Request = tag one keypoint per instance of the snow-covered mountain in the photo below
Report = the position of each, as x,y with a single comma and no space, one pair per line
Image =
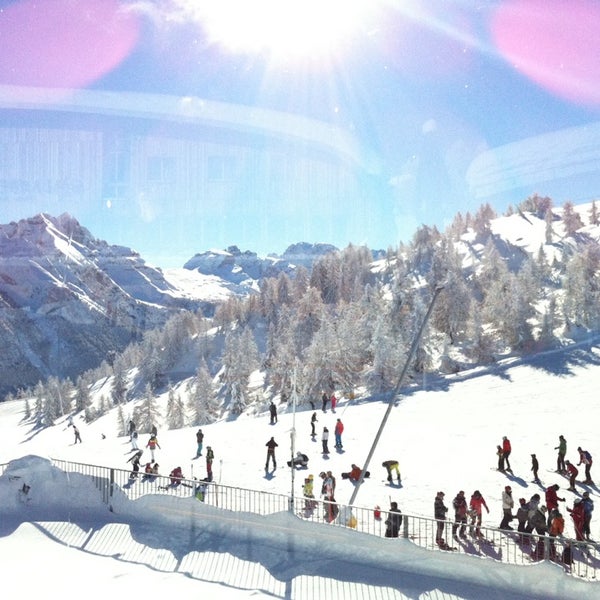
245,269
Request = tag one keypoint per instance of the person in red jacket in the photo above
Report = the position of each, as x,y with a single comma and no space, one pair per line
476,505
578,516
339,429
506,450
552,500
572,471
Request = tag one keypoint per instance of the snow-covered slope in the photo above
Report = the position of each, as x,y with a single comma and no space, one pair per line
444,436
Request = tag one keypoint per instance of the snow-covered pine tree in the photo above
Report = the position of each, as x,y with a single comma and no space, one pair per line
202,404
82,394
175,411
146,413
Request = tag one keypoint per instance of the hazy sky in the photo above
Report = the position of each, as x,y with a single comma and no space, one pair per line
425,86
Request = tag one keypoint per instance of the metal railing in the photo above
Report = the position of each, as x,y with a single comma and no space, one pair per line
578,558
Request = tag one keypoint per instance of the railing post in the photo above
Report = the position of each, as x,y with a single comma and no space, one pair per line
405,527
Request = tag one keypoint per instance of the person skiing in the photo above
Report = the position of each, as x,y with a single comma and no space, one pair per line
562,452
199,442
313,420
476,504
585,458
77,435
273,412
271,445
210,455
339,429
134,440
572,471
392,465
394,521
324,400
152,445
439,514
507,506
535,466
135,462
325,440
506,450
130,429
460,515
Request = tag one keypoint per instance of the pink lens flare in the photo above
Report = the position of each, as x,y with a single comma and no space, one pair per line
64,43
555,43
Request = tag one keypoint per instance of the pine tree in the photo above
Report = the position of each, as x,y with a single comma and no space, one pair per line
175,411
146,413
203,402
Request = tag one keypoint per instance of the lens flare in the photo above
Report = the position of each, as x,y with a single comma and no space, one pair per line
553,42
64,43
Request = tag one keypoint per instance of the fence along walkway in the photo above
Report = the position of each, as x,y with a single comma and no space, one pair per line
579,559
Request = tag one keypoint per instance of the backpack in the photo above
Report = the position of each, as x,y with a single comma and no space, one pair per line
588,456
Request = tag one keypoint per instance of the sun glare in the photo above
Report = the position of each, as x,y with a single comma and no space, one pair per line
285,29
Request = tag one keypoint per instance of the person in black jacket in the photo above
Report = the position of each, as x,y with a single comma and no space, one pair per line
439,513
394,521
271,445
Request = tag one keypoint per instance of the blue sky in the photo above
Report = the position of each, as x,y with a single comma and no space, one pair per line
425,86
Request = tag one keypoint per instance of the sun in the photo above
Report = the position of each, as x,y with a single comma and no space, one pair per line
284,29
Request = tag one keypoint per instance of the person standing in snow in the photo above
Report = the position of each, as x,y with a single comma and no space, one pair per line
578,516
477,504
152,445
523,518
562,452
460,515
325,440
134,440
506,450
552,499
199,442
273,412
77,435
588,507
333,401
439,513
339,429
535,466
313,420
500,458
585,458
210,455
271,445
324,400
394,521
507,506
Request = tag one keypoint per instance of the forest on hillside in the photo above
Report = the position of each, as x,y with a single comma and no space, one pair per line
348,324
